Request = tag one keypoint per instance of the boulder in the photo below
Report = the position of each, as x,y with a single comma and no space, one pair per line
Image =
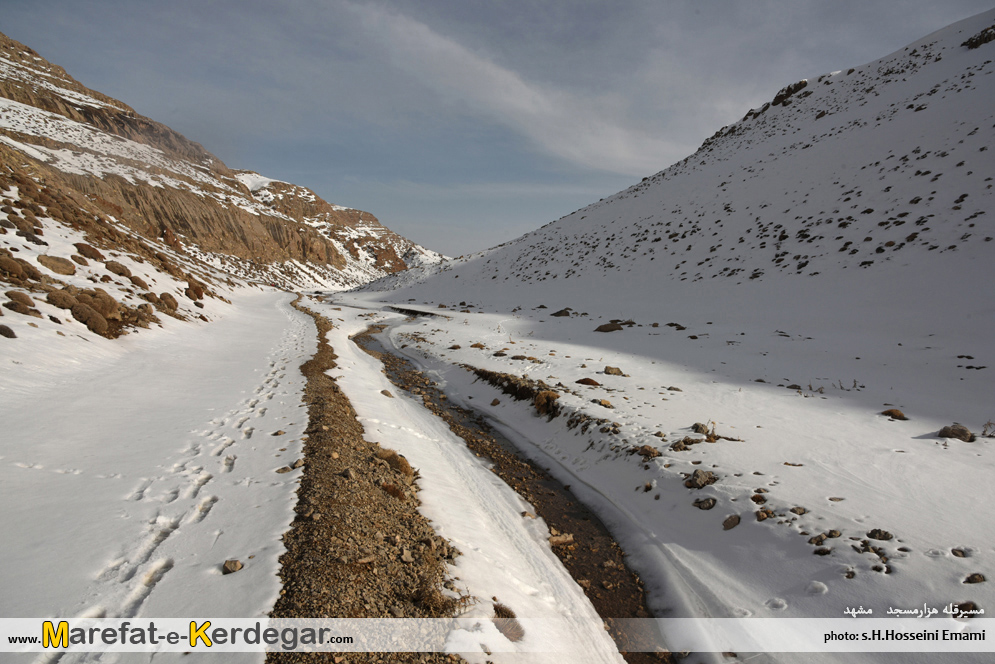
958,431
878,534
705,503
11,267
118,269
700,478
231,566
21,297
88,251
168,301
89,317
58,265
61,299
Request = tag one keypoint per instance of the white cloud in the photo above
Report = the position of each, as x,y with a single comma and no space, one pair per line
583,130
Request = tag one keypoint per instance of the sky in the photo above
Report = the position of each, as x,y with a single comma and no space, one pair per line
460,124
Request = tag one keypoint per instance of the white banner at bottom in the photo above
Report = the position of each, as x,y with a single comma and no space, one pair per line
460,635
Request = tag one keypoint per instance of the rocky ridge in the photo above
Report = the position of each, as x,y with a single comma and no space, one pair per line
108,161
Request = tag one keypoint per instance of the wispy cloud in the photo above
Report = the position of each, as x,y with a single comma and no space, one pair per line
584,130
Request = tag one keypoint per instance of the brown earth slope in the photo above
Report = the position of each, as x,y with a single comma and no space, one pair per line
162,185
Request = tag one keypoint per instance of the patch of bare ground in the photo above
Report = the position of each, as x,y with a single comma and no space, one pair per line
357,548
579,539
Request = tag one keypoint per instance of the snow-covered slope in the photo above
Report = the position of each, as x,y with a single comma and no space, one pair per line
882,163
109,159
823,260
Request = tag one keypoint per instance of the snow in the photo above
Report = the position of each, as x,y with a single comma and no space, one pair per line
96,152
811,266
837,243
129,496
133,471
504,554
254,181
38,78
898,476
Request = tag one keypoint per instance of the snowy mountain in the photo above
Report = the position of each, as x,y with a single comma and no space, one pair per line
766,369
108,161
882,163
814,285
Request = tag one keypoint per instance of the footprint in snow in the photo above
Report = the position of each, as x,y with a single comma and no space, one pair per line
226,442
139,492
144,588
202,510
817,588
195,486
776,604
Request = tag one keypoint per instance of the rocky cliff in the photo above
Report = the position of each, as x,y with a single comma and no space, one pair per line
105,161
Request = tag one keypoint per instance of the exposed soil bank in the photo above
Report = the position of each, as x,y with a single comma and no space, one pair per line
580,539
354,550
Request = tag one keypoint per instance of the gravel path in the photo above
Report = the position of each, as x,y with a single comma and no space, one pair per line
358,548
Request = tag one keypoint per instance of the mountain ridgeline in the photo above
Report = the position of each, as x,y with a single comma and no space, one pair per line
889,163
96,158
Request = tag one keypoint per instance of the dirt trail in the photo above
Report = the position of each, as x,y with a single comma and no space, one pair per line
354,550
585,546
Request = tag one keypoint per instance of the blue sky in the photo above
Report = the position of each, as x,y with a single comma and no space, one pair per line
460,124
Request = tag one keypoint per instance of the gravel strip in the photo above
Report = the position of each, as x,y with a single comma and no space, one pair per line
358,547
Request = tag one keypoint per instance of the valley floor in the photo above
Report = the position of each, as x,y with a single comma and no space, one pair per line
818,502
132,469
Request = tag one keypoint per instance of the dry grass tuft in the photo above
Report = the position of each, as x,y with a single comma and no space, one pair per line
394,490
435,602
396,461
545,403
506,622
